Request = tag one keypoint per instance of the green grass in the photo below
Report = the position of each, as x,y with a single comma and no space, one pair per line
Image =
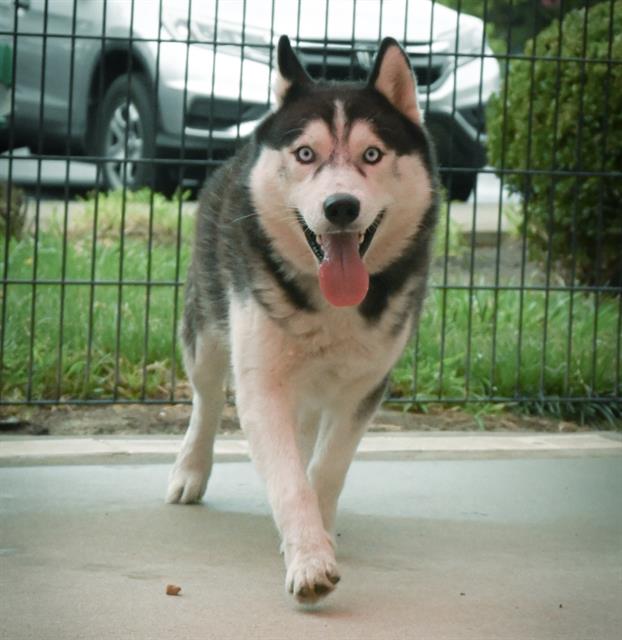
116,362
117,365
496,362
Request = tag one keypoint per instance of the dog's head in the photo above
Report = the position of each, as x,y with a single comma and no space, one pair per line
343,177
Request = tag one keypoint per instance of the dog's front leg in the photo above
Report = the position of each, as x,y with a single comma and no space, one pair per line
266,402
340,432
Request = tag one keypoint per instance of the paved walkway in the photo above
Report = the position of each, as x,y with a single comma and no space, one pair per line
16,450
440,536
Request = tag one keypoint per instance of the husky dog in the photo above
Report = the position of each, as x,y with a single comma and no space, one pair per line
308,275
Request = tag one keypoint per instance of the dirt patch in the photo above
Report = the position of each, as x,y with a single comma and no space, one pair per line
131,420
120,420
455,419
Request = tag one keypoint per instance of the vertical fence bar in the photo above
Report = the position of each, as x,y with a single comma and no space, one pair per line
124,172
353,43
271,53
523,268
98,176
574,240
551,218
326,9
431,40
617,390
599,226
63,277
380,17
426,109
181,173
502,175
154,172
298,17
240,84
445,287
210,141
37,221
415,351
582,83
469,342
573,226
455,57
618,383
467,382
7,235
480,107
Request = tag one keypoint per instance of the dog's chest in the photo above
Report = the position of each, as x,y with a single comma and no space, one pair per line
322,354
334,348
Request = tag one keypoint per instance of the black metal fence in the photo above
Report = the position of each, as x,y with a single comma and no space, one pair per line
113,111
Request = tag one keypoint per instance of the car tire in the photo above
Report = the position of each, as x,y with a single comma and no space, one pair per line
125,135
460,185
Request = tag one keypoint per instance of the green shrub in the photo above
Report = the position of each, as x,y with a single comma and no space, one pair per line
566,116
510,24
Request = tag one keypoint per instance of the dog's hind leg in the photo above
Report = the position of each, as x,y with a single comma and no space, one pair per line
207,366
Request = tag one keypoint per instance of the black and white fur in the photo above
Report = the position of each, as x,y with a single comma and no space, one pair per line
308,376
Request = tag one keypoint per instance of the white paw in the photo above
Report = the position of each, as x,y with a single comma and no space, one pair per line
312,574
187,481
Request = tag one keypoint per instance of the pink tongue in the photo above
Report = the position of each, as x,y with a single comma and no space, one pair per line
344,281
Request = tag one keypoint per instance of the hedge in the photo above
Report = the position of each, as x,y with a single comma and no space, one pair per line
561,111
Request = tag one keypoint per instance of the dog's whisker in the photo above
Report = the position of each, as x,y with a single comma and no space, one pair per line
285,217
245,217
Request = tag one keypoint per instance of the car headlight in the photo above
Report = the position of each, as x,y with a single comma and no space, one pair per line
256,44
178,28
467,42
230,37
470,40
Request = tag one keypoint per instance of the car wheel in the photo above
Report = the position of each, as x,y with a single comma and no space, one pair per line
125,134
460,185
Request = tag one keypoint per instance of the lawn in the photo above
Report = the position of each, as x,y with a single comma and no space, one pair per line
65,338
78,340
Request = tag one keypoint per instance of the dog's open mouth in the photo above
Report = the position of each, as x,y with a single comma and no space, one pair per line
316,243
343,278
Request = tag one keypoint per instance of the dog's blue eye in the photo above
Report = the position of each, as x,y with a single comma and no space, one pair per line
305,155
372,155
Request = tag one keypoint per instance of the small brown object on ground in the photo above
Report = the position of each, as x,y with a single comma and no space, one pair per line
172,590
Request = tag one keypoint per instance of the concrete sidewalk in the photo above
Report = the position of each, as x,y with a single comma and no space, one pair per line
440,536
20,450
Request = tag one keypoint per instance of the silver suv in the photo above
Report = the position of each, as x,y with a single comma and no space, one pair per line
146,87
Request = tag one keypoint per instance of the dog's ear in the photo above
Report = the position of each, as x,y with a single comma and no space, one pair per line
393,76
289,71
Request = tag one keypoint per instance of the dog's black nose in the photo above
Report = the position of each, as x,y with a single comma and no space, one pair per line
341,209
